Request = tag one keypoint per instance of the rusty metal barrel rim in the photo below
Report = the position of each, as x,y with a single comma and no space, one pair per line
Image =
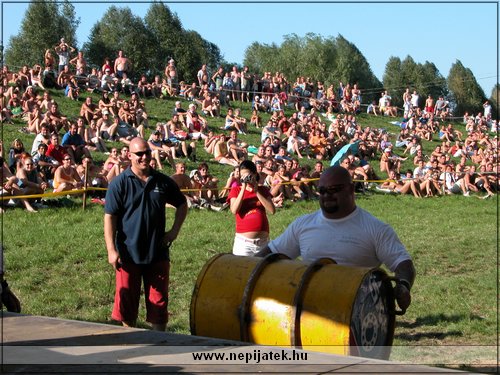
370,338
295,334
244,308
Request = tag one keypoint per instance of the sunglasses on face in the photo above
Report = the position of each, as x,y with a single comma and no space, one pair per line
142,153
331,189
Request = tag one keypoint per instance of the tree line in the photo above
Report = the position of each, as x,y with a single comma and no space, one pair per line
151,41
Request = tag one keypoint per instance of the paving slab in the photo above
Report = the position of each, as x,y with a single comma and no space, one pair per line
35,344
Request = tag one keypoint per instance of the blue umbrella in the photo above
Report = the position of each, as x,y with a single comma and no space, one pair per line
351,147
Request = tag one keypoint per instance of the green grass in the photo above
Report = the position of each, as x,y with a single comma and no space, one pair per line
56,259
56,262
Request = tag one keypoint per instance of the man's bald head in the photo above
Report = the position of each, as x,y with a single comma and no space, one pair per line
140,155
138,143
336,193
336,175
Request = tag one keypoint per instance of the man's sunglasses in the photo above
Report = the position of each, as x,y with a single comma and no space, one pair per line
141,153
331,189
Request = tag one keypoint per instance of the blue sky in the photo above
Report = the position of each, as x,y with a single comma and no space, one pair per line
440,33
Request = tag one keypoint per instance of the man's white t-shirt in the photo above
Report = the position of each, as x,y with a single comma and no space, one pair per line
357,240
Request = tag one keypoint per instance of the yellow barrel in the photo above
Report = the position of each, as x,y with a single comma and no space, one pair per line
318,306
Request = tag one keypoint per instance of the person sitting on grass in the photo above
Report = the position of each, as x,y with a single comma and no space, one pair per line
16,153
231,123
96,176
185,184
296,145
426,180
161,151
111,163
88,110
105,102
232,181
270,130
208,107
221,152
108,127
126,115
34,119
93,138
318,143
66,178
299,178
10,185
138,107
206,184
45,164
237,149
197,125
357,172
255,119
454,182
74,144
28,178
242,122
482,182
390,161
177,138
54,119
260,155
395,184
279,183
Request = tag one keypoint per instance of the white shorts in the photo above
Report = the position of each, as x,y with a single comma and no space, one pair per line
248,246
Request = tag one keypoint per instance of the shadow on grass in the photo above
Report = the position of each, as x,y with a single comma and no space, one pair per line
417,336
434,319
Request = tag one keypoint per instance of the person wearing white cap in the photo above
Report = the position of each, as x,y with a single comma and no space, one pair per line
196,124
181,112
390,161
107,80
171,74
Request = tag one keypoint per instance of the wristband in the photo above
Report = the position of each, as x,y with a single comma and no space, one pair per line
405,283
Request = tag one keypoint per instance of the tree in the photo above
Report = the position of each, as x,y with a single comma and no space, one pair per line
393,79
429,81
151,42
352,67
495,104
44,24
187,47
258,56
327,59
465,92
193,52
117,30
424,78
167,31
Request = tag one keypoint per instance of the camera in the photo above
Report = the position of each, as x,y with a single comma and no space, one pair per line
246,179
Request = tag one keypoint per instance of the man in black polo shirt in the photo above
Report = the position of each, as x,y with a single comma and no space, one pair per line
136,240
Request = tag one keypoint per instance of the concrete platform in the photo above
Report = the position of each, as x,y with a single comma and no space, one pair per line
33,344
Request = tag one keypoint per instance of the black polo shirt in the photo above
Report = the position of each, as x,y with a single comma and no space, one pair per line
140,210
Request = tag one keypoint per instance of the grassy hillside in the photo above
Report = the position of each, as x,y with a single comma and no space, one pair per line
56,259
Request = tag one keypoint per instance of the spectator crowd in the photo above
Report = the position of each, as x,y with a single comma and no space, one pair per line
322,123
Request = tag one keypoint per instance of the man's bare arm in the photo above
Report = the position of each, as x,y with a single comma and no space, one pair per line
405,273
109,237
